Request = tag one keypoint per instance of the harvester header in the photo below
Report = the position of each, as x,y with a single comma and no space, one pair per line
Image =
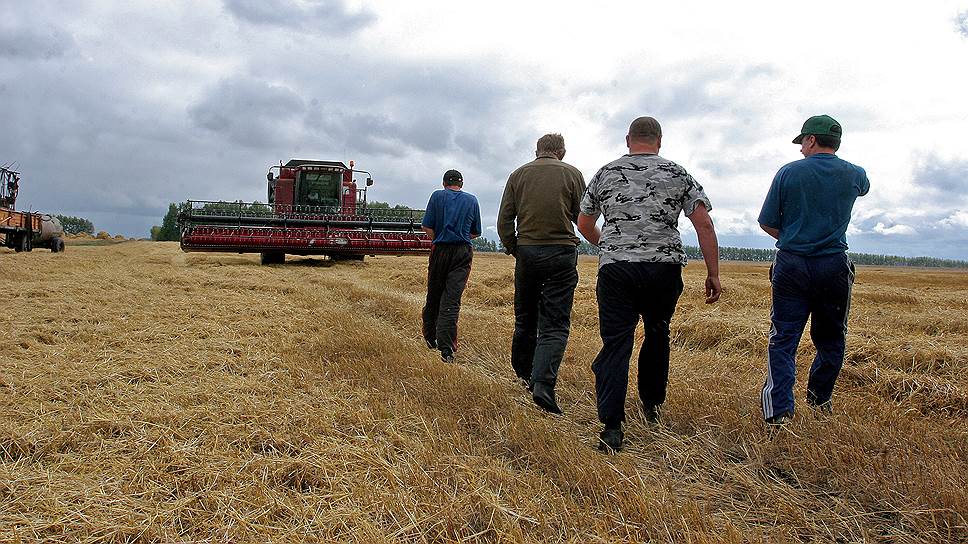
314,208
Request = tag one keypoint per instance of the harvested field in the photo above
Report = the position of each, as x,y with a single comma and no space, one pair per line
152,395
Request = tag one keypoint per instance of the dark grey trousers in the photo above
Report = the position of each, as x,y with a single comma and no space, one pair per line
447,273
545,278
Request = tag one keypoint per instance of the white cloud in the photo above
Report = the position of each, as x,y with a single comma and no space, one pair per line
880,228
959,219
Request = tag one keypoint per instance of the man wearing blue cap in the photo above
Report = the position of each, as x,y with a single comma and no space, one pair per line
452,220
807,210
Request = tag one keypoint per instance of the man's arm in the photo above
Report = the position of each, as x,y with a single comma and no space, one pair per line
774,232
577,195
505,220
710,250
478,226
429,231
588,227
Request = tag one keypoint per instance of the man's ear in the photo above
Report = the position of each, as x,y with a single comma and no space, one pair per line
627,142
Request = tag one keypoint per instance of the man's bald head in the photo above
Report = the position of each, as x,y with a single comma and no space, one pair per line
645,130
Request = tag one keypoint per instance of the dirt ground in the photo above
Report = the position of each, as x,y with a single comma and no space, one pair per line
151,395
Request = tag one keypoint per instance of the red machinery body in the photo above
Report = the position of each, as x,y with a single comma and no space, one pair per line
315,208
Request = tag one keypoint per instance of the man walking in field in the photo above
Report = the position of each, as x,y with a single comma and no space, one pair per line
452,220
807,210
542,197
640,268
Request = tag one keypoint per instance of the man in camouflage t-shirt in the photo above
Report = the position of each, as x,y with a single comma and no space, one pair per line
640,268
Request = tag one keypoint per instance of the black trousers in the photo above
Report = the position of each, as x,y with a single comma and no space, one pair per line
447,273
627,291
545,278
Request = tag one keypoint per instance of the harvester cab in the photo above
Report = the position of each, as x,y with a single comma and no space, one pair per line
314,208
316,184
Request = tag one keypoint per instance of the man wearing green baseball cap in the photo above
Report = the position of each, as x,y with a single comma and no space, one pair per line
807,210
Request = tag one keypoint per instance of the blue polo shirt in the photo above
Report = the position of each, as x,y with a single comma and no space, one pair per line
454,216
810,202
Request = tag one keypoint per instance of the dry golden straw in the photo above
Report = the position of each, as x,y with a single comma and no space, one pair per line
150,395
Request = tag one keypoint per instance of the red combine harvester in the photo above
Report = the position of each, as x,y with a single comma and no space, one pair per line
315,208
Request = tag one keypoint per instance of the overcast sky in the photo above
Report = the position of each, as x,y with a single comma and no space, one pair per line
112,110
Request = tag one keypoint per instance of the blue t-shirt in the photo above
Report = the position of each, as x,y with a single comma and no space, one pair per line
454,216
810,202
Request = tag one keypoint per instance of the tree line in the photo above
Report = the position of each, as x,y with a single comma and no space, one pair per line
727,253
168,231
75,225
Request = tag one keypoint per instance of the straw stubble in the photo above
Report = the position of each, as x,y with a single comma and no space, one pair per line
153,395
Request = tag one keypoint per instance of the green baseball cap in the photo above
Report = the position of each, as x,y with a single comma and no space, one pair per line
820,125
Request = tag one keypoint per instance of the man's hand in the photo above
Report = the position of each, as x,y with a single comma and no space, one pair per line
713,289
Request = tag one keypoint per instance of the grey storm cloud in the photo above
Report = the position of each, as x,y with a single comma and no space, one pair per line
34,42
942,178
375,106
326,16
247,111
430,132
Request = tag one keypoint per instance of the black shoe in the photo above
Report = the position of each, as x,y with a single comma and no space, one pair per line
544,396
779,420
447,356
651,413
823,407
431,344
610,440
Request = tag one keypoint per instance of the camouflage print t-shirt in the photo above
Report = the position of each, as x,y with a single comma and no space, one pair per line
641,197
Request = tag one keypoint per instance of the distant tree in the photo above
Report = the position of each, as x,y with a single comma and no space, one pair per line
728,253
75,225
484,245
584,248
168,231
385,205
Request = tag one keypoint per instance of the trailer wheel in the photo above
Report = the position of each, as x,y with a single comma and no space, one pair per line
273,257
21,243
57,245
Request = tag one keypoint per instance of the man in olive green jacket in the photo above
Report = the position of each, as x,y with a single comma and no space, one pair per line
543,197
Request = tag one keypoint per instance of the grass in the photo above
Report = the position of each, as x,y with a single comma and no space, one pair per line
152,395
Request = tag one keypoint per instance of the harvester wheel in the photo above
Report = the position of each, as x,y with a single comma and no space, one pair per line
57,245
347,257
273,257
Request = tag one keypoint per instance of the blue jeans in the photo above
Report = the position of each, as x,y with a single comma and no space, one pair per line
814,287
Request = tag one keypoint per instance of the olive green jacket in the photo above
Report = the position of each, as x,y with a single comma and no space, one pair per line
544,198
